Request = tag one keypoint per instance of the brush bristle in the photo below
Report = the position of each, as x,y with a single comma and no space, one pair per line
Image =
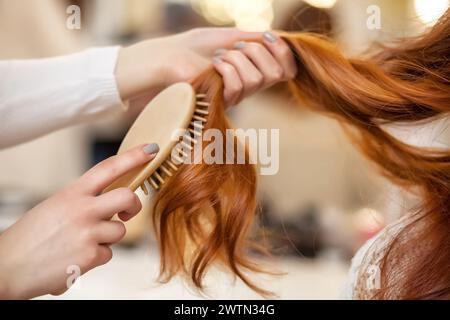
168,168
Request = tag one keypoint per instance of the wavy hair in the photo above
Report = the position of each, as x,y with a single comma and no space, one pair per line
204,214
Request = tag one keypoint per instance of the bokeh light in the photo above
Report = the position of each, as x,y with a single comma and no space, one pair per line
249,15
321,3
430,11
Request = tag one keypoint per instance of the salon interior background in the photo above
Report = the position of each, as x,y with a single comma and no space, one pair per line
324,201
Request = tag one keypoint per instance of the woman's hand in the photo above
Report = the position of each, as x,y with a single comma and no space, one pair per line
247,61
69,232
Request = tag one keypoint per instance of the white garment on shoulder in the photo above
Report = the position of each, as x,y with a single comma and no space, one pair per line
372,250
353,273
38,96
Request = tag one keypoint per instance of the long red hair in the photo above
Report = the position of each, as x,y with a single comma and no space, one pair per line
205,212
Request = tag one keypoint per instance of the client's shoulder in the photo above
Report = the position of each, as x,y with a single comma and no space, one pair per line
364,275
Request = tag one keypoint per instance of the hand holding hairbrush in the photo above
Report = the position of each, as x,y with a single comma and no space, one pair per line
176,108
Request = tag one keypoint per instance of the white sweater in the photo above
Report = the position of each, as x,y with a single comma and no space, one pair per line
42,95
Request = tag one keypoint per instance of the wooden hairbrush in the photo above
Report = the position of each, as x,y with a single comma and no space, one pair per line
177,107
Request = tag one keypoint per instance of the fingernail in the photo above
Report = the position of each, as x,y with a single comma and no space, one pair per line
152,148
217,60
219,52
239,45
269,37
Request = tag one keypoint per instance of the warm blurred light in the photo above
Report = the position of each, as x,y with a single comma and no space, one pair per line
249,15
321,3
368,222
252,15
430,11
215,11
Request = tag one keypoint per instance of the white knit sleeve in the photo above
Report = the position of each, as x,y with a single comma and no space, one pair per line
42,95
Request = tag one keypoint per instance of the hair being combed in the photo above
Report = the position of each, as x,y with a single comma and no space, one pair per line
205,212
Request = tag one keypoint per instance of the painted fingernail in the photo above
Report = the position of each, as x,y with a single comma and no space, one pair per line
151,148
217,60
219,52
239,45
269,37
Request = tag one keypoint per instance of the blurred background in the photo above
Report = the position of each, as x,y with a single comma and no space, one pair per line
325,200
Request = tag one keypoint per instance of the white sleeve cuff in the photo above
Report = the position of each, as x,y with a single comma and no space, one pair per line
102,64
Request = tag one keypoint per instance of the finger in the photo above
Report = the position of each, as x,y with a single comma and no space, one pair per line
261,57
95,256
106,172
109,232
125,216
233,86
282,53
104,255
233,35
121,200
251,78
221,38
